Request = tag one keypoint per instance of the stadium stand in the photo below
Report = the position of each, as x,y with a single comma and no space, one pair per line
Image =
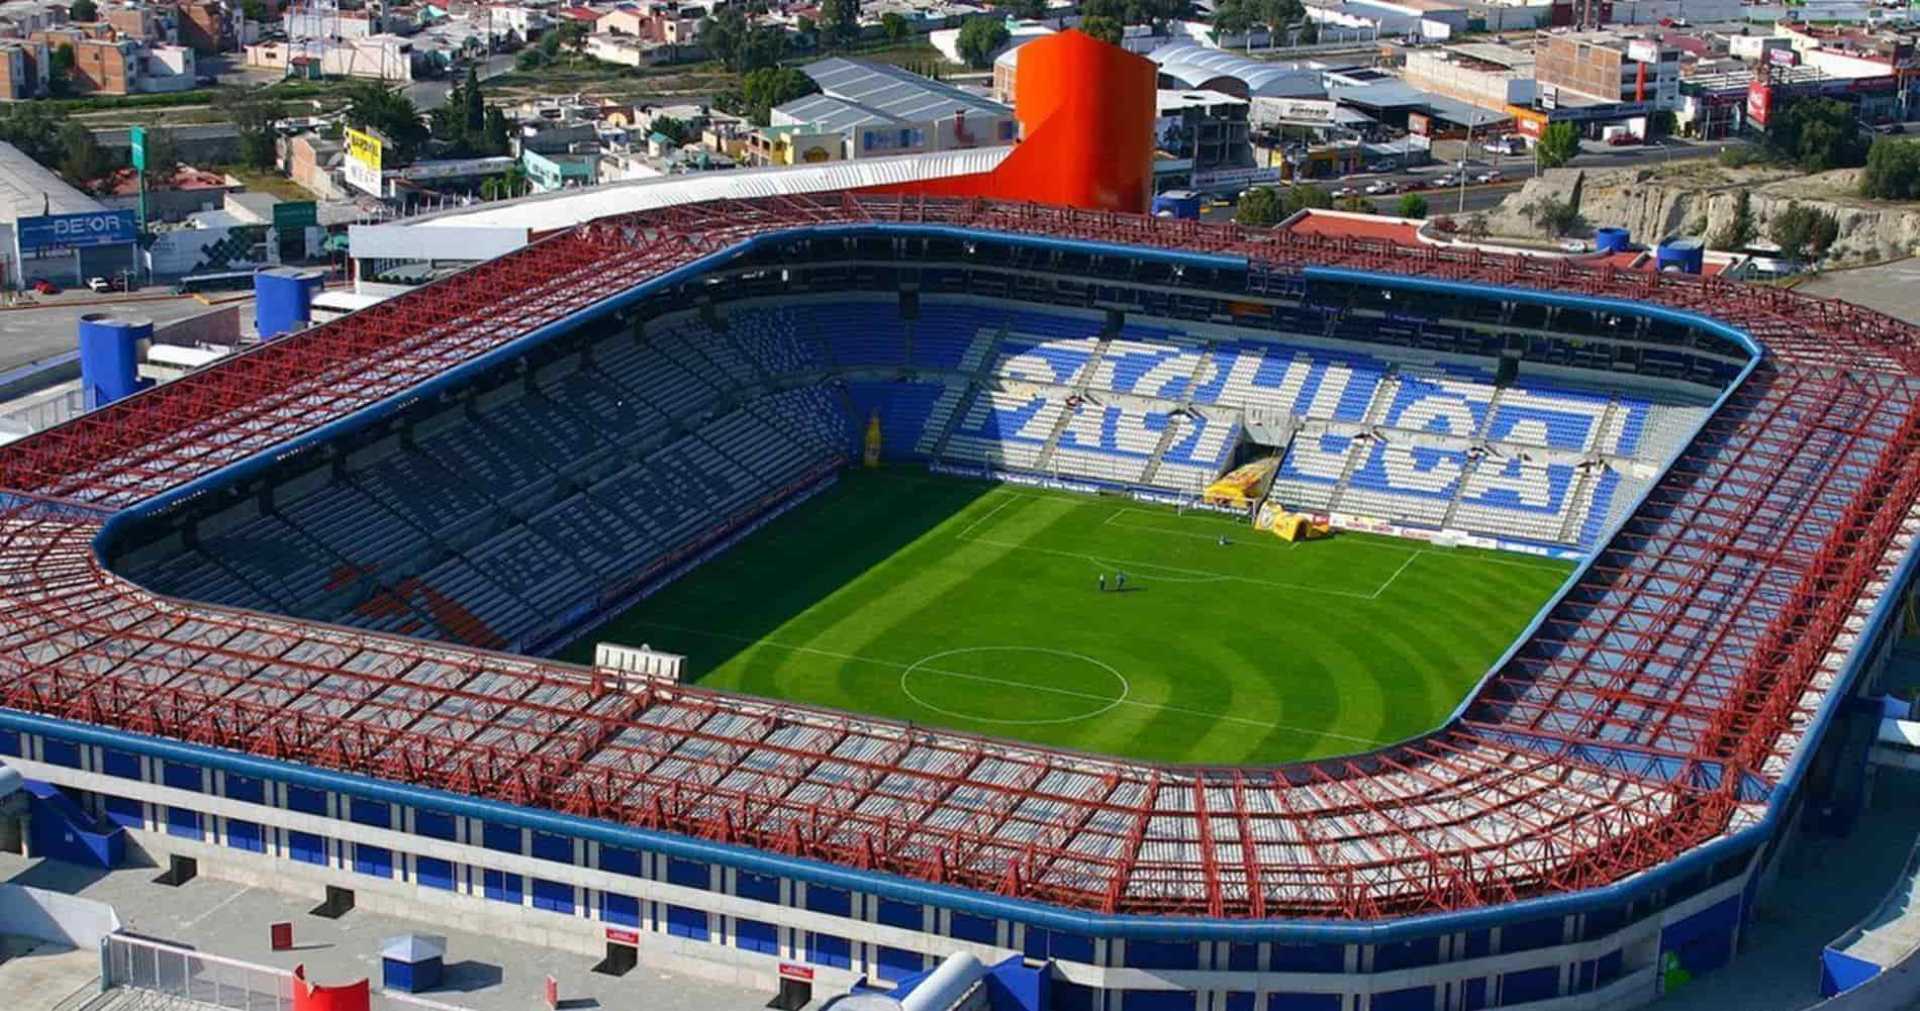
499,520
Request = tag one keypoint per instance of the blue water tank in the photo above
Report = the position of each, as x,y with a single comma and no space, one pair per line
1685,255
110,351
283,299
1612,240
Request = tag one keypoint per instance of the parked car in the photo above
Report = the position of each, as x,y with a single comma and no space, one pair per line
46,287
1380,187
1574,245
101,284
1489,176
1346,191
1446,180
1624,139
1416,183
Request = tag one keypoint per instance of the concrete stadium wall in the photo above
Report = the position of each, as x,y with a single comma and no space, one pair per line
52,916
1556,970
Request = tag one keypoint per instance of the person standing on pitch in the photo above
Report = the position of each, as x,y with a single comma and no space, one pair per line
1119,582
1103,582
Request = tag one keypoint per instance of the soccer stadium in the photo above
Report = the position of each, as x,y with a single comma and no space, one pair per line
807,591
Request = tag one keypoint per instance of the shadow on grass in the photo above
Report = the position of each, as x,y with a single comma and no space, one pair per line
788,566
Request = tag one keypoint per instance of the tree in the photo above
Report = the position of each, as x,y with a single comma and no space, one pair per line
253,10
980,41
1025,10
723,34
497,137
1354,203
163,152
60,71
1260,207
1232,17
1554,216
1115,9
1738,232
34,128
1412,205
1308,198
372,105
1559,142
1475,227
81,159
1893,170
529,59
572,35
1309,33
763,89
675,130
1803,233
1105,29
1818,135
473,104
254,117
505,186
83,10
897,27
840,21
763,47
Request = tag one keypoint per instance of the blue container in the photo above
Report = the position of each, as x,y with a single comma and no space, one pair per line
283,299
1685,255
110,351
1612,240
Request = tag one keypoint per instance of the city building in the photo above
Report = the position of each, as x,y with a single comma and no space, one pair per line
48,229
1191,65
23,69
1641,72
884,110
1489,76
1204,137
548,172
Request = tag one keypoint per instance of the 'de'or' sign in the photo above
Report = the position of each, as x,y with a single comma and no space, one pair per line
69,231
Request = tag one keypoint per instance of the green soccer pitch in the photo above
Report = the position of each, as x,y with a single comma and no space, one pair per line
975,606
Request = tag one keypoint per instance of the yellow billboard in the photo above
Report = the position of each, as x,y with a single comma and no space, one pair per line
364,152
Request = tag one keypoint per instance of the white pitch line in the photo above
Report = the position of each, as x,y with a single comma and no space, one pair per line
857,658
1201,574
989,514
1396,575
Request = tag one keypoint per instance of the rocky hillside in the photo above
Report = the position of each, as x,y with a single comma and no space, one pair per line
1699,197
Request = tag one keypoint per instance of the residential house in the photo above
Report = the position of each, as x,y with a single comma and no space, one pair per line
23,69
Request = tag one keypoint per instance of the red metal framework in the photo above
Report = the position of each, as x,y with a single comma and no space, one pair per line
1652,711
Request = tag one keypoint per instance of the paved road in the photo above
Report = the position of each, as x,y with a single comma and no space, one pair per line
430,95
52,327
1514,170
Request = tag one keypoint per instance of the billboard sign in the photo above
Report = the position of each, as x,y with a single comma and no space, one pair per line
1237,177
364,153
1759,103
73,231
1268,112
294,215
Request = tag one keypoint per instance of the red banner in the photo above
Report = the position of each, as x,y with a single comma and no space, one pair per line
800,972
618,936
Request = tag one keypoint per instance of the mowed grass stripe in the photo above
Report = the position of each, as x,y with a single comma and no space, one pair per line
974,606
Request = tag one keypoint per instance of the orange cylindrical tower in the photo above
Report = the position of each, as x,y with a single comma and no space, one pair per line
1086,113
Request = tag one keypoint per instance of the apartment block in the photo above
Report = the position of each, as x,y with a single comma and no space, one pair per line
1609,67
